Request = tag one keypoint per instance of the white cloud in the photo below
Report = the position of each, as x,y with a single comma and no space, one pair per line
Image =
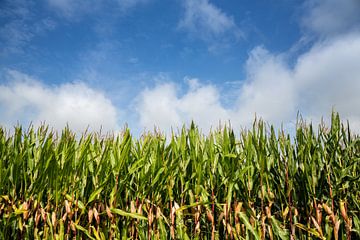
157,107
268,89
163,108
204,15
327,76
332,17
25,99
205,21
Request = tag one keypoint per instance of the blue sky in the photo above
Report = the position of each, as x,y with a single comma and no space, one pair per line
164,63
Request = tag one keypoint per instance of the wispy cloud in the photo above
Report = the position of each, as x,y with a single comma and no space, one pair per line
126,4
75,10
25,99
205,21
20,26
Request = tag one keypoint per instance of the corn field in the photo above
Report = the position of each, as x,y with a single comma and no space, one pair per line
261,184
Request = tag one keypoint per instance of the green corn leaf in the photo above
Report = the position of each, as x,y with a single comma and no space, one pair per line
96,234
244,219
127,214
84,231
279,230
182,208
312,231
94,194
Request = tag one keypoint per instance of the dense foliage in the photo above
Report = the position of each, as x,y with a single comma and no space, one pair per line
262,184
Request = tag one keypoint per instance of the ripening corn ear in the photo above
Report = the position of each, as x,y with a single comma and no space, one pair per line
256,184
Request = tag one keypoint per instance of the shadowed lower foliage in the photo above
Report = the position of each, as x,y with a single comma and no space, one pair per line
261,185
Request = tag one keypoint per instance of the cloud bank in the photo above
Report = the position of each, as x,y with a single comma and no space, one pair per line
28,100
325,77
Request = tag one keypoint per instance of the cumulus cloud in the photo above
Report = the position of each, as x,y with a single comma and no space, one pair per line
329,76
325,77
268,89
331,17
25,99
205,21
162,107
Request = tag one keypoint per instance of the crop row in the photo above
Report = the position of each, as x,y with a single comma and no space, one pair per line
261,184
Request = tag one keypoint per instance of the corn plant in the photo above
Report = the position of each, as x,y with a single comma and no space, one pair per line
261,183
